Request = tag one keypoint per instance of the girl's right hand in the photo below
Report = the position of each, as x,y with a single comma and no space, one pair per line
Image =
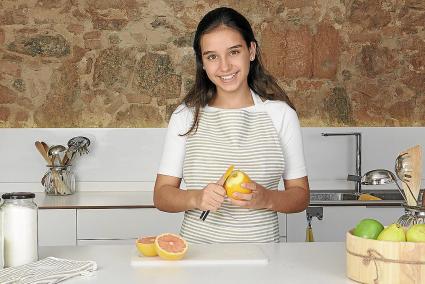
212,196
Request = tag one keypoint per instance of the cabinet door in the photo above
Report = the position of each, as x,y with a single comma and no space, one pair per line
105,242
121,224
282,224
56,227
337,220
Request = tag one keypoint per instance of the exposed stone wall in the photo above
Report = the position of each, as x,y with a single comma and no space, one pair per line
128,63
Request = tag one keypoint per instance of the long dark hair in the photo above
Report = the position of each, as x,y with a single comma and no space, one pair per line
259,80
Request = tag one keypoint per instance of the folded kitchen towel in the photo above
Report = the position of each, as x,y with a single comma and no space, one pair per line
46,271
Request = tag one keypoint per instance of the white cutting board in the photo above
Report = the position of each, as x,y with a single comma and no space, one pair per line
208,254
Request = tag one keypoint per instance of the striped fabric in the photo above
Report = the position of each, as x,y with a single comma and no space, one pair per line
47,271
249,141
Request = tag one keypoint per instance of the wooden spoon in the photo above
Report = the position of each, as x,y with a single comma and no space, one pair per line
43,152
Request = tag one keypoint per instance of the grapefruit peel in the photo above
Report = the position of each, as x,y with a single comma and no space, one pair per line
146,246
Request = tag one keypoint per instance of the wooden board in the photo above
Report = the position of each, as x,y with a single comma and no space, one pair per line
207,255
414,155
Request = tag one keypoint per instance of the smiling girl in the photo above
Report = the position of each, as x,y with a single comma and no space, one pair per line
235,114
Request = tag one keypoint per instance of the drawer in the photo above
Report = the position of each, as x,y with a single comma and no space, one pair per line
56,227
105,242
125,223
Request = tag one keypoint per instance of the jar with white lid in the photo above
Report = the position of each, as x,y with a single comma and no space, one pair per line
19,214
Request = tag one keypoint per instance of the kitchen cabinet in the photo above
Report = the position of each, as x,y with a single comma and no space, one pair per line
60,227
282,226
109,226
57,227
337,220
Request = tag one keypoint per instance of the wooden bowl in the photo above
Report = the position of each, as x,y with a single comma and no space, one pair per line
373,261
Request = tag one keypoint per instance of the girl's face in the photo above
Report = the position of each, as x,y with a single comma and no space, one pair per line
226,59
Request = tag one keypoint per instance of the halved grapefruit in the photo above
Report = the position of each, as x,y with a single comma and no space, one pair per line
146,246
170,246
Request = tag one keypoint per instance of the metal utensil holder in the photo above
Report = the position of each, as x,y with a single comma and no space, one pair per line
59,180
412,215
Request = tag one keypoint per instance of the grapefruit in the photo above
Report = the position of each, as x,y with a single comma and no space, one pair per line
392,233
234,181
146,246
368,229
416,233
228,172
170,246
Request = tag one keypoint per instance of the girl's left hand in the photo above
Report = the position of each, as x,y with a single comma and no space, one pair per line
257,199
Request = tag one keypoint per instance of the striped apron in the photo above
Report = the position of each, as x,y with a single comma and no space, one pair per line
248,140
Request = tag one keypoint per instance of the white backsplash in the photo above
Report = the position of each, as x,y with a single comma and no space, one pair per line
126,159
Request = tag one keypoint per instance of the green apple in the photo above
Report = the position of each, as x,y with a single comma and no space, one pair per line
393,233
416,233
368,229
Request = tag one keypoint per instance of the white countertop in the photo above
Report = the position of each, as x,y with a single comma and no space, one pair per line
288,263
96,199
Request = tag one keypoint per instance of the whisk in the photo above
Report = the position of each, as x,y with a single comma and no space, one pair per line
413,215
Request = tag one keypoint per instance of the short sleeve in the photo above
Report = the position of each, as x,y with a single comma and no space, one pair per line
175,144
292,145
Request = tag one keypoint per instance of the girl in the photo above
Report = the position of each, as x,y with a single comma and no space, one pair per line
235,114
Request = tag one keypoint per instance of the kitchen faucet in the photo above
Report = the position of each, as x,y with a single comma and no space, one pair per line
358,176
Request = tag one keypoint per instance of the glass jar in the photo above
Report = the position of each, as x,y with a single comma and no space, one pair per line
59,180
19,214
412,215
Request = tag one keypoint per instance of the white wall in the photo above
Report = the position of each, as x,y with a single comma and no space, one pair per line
127,159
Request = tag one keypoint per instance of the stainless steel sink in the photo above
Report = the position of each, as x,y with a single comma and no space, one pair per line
351,196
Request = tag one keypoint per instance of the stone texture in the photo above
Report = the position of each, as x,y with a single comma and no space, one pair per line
338,106
288,53
43,45
92,44
75,28
21,116
139,116
4,114
113,67
111,19
10,67
92,35
272,41
326,52
19,85
137,98
14,16
2,36
128,63
7,96
61,104
49,4
375,60
293,4
152,69
368,14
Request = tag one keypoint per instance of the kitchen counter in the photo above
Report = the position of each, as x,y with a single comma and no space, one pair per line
96,200
288,263
144,199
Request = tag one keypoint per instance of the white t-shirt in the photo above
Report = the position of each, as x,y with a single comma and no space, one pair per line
284,119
